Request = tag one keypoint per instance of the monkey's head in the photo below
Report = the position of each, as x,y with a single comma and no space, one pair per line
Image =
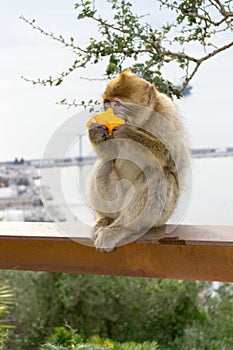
128,94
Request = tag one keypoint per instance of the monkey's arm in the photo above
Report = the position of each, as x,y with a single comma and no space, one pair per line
147,140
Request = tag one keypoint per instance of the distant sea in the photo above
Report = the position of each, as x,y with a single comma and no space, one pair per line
211,199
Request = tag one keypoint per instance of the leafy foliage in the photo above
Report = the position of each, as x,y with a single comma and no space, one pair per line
128,40
66,338
6,300
120,308
131,313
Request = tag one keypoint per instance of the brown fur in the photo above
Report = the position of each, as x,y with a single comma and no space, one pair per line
154,161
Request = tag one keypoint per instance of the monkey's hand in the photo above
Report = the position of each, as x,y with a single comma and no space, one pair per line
123,131
98,133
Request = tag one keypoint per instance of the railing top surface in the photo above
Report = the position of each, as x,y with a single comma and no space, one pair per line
188,234
198,252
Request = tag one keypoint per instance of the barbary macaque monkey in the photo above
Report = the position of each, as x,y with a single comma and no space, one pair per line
137,179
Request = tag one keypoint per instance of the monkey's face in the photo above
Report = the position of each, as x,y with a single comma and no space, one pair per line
132,113
130,97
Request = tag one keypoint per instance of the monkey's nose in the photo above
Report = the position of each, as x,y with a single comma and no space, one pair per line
116,107
115,104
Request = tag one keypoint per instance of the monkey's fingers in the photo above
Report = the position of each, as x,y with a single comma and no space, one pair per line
97,133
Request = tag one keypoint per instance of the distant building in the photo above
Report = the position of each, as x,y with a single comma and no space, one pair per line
12,215
8,192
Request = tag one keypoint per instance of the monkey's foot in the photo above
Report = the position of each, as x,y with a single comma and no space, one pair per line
98,133
102,222
108,238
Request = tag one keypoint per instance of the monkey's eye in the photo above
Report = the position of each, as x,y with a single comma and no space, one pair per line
117,103
107,104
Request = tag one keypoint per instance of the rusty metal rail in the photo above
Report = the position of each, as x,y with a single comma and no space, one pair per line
189,252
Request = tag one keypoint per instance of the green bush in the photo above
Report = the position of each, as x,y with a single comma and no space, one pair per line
178,315
66,339
120,308
77,347
6,301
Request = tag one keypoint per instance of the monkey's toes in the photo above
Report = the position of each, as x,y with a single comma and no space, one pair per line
104,242
105,249
101,247
100,223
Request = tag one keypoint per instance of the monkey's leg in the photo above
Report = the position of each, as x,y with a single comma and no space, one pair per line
148,207
100,223
103,222
137,218
103,197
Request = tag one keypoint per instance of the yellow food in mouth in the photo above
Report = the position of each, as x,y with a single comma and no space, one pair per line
107,118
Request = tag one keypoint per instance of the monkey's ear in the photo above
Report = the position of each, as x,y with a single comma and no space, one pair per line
151,92
126,73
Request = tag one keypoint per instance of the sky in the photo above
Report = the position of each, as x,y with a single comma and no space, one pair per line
29,114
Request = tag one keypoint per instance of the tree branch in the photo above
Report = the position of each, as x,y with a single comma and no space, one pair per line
126,36
221,8
215,52
76,49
